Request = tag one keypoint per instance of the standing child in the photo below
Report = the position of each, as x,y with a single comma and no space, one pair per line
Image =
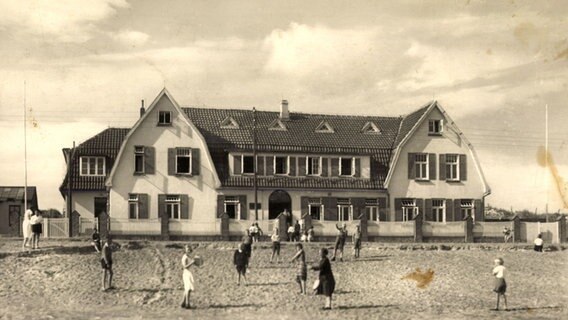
302,269
96,240
106,263
339,241
36,223
311,234
27,228
291,233
275,237
188,282
326,280
247,241
240,260
500,284
357,241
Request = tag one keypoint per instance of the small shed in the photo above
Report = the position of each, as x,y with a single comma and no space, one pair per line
12,208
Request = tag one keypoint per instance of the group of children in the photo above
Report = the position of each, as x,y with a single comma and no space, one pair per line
32,228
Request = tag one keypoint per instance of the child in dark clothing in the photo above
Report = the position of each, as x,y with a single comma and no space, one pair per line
96,240
240,260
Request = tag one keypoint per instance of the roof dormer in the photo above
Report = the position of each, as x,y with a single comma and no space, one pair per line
277,125
370,128
229,123
324,127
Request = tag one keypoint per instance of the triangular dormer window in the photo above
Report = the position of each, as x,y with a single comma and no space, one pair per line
324,127
277,125
229,123
370,127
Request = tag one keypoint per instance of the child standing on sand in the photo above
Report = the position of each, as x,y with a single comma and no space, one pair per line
302,269
357,242
500,284
106,263
188,282
240,260
275,237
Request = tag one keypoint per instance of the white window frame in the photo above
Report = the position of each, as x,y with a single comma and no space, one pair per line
352,167
432,126
421,166
319,164
449,165
163,121
409,209
86,162
467,205
184,153
139,152
316,203
243,163
233,200
343,204
173,203
439,210
372,209
134,199
287,165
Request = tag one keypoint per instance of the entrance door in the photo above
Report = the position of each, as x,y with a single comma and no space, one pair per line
14,221
100,206
279,201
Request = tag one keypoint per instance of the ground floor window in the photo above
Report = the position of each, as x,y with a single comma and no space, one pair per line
409,209
467,208
372,209
439,210
344,209
233,207
315,208
173,206
133,206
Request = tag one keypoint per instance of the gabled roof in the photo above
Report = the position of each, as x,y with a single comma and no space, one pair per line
410,121
10,193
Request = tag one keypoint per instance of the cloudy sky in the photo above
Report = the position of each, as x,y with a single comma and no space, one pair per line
493,65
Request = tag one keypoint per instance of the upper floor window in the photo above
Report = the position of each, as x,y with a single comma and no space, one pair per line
92,166
313,166
139,159
248,164
421,166
346,166
164,118
281,165
173,206
452,167
183,160
435,127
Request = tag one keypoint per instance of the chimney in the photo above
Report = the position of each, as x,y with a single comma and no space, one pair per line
142,110
284,113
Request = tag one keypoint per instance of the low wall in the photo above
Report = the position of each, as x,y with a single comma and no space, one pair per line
483,229
150,227
393,229
443,229
194,228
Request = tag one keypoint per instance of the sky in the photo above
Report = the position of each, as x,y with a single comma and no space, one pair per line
494,66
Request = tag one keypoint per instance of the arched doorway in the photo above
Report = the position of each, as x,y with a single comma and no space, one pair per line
279,201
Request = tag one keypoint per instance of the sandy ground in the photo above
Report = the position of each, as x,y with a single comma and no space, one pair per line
62,280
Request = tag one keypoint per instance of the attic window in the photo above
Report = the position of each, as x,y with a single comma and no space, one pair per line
277,125
435,127
164,118
229,123
370,127
324,127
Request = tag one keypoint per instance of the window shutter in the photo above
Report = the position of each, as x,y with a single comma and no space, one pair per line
457,210
220,205
442,167
237,164
292,170
432,166
357,167
478,207
301,166
449,210
420,205
330,209
335,167
324,168
260,165
143,206
463,167
411,168
397,209
244,207
171,161
195,162
428,210
270,165
161,205
184,206
149,160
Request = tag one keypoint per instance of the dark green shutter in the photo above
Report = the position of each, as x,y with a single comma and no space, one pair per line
428,216
292,170
149,160
457,210
442,167
270,165
432,166
171,161
397,209
143,206
301,166
357,167
260,165
220,205
411,167
195,162
334,167
330,209
324,168
161,205
244,207
450,210
478,210
184,206
237,164
463,167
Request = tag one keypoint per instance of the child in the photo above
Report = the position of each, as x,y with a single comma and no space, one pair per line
275,237
302,270
36,226
240,260
311,234
500,284
106,263
290,233
357,241
507,234
538,243
247,241
188,282
340,241
304,237
326,280
96,240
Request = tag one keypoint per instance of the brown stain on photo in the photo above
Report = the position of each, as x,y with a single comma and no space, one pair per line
423,279
542,159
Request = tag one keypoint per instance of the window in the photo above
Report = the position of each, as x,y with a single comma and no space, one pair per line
324,127
372,209
229,123
248,164
344,209
183,160
452,167
421,166
164,118
280,165
370,128
409,209
173,206
233,207
139,159
315,208
435,127
467,208
133,206
346,166
92,166
439,210
313,166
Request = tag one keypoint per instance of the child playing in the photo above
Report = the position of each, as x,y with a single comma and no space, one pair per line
538,243
188,282
106,263
96,240
311,234
500,284
240,260
275,237
339,241
357,241
302,269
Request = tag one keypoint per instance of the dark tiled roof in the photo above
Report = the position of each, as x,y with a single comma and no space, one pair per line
16,193
408,122
107,143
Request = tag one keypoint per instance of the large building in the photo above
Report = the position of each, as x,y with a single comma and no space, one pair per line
194,164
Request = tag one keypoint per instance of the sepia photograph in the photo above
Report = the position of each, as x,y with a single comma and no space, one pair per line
252,159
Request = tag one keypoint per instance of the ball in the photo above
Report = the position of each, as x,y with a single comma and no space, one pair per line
198,261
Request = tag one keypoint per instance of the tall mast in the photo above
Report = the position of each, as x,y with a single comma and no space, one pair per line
546,153
25,153
254,163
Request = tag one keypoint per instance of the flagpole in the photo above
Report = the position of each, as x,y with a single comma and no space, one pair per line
546,154
25,153
254,164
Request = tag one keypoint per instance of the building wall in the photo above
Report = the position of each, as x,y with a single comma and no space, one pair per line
84,202
449,142
200,188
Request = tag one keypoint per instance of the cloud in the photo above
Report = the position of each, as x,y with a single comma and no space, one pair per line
130,37
61,20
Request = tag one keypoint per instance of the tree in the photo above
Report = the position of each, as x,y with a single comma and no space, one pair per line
52,213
